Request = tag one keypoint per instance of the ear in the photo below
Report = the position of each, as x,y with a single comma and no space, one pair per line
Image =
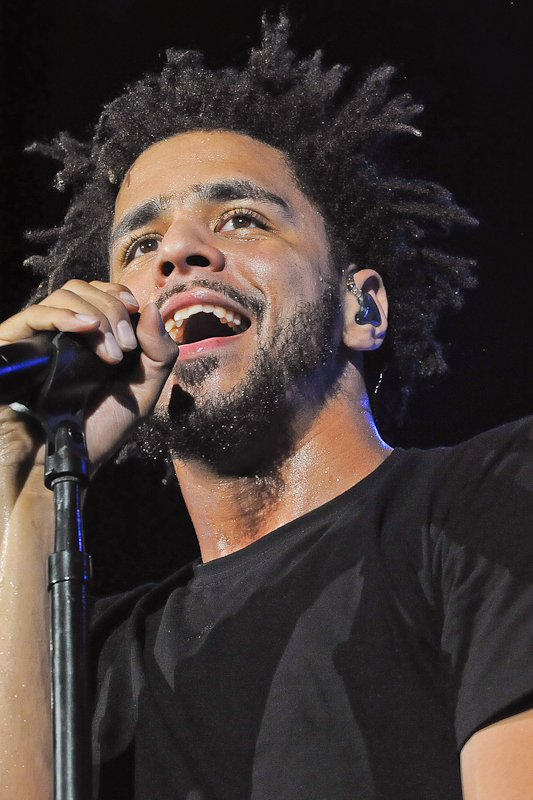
367,336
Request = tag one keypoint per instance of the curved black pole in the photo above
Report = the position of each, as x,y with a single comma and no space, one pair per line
68,578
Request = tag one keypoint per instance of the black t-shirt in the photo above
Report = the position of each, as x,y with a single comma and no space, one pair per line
348,655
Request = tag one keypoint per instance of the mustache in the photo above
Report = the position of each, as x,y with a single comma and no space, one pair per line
253,304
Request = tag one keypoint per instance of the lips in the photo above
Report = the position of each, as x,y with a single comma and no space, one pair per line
204,321
197,316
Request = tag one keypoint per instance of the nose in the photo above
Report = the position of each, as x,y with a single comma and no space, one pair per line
184,247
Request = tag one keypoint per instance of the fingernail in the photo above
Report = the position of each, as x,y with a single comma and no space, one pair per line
113,350
128,298
125,335
87,318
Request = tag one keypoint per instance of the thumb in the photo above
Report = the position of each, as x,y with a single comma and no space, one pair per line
155,342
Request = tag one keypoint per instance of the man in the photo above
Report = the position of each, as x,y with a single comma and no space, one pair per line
359,617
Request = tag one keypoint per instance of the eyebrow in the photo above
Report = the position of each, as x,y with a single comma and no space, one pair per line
215,192
136,217
234,189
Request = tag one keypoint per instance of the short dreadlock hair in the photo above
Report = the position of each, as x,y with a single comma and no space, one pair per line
335,143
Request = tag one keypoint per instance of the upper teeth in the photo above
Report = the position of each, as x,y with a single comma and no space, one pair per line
174,324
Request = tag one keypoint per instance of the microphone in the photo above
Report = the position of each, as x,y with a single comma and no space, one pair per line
55,369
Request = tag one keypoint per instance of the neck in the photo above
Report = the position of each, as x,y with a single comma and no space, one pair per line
339,447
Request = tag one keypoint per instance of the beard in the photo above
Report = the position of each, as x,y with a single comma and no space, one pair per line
249,430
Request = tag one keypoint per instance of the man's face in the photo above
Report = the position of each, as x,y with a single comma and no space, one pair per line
212,227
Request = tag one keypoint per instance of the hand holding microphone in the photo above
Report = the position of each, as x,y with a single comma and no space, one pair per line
29,368
130,369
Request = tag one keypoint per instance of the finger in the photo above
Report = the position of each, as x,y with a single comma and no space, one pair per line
156,343
37,318
103,340
119,291
123,329
117,302
116,332
145,385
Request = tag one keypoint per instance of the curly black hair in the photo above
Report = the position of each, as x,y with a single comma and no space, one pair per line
336,143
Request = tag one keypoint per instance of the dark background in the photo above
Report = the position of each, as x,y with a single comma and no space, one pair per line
468,61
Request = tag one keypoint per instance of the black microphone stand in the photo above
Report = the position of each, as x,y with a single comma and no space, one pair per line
60,407
68,579
69,373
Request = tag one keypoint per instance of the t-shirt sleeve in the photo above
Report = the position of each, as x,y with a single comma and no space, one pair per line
484,533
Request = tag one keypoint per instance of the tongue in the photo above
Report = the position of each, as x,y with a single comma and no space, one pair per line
204,326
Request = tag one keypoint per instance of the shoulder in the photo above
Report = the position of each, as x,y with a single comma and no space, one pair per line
492,453
443,513
501,451
493,469
483,491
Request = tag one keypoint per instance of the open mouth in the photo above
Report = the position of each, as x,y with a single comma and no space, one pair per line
198,322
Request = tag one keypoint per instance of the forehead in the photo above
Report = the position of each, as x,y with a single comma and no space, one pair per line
176,166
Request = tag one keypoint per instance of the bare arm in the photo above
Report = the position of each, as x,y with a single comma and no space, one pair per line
26,538
497,761
26,516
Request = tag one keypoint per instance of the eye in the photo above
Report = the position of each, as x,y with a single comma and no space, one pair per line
239,219
141,247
